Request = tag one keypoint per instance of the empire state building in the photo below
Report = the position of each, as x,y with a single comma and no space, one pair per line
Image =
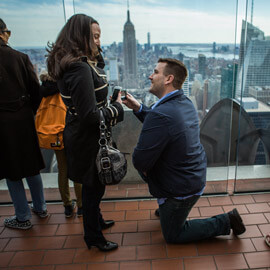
130,54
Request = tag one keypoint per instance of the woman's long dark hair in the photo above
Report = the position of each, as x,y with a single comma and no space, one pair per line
74,41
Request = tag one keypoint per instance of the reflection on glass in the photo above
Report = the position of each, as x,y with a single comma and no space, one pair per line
199,33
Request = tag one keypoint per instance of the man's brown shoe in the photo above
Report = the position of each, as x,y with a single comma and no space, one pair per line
236,222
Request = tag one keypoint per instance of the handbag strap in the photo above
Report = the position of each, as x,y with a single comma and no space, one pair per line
105,161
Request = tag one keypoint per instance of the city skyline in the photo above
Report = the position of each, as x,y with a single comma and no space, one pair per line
34,23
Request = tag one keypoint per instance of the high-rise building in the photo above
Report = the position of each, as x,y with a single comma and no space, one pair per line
148,41
185,86
130,54
202,65
228,81
214,47
254,60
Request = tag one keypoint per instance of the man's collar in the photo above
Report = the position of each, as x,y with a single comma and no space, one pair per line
168,97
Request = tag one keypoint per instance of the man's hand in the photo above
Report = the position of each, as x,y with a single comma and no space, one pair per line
132,103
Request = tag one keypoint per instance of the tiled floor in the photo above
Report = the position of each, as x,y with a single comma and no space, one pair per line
56,243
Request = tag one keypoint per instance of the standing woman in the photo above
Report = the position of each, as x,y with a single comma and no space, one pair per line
72,61
20,153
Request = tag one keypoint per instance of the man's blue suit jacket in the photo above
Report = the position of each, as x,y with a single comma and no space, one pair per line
169,148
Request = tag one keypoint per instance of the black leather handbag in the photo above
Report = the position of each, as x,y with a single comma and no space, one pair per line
111,163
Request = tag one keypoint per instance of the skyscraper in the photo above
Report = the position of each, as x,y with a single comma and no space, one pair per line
148,41
202,64
228,81
254,59
130,54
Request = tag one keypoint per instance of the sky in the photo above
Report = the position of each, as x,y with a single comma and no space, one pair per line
35,22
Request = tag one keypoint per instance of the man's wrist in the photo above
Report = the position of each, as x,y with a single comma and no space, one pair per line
138,109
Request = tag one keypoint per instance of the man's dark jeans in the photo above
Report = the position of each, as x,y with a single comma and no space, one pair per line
176,229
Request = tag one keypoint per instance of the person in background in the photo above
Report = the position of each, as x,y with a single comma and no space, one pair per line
48,88
171,159
20,153
72,62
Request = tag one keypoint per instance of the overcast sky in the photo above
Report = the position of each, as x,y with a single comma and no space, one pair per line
35,22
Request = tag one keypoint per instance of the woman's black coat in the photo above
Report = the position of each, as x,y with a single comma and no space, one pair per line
84,90
20,154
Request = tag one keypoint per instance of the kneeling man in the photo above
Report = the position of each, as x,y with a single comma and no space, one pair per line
171,159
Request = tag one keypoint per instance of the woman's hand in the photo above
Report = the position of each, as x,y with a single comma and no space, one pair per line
119,100
132,103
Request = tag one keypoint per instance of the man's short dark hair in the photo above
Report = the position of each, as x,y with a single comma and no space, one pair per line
2,25
177,69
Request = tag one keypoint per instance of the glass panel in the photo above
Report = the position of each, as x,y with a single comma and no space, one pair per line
136,35
253,94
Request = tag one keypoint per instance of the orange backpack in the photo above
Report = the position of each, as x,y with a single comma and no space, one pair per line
50,122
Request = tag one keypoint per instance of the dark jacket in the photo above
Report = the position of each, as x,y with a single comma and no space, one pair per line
169,148
19,99
84,90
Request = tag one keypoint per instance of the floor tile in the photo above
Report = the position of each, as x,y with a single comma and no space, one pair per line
104,266
68,229
5,258
3,243
122,254
242,199
35,231
194,213
114,237
86,255
199,263
26,258
220,200
149,225
178,250
6,210
52,242
264,228
211,211
212,247
135,265
64,256
241,208
107,206
116,194
71,267
115,215
39,267
267,215
172,264
260,244
231,261
75,241
125,226
150,252
240,246
59,219
134,239
138,193
258,207
22,244
251,231
138,215
202,202
261,197
157,238
149,204
126,206
258,259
